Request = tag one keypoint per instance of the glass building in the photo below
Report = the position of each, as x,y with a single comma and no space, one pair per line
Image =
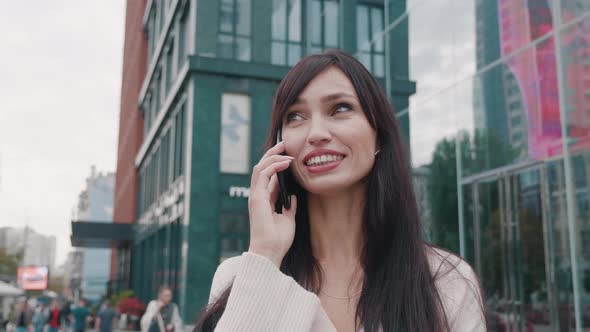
494,99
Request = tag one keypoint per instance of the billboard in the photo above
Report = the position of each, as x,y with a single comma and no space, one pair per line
33,277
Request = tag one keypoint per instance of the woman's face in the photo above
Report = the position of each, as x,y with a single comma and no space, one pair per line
328,134
166,296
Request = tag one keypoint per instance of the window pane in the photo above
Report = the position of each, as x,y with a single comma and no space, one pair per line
316,23
294,20
279,16
225,46
226,16
331,23
315,50
362,28
244,17
243,49
378,65
278,53
235,134
294,54
365,59
377,27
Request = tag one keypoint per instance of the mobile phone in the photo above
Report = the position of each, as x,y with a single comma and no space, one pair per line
284,198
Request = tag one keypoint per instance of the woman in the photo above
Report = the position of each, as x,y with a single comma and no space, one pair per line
40,318
23,316
162,315
349,254
55,317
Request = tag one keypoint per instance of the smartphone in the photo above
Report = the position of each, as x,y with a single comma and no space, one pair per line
284,198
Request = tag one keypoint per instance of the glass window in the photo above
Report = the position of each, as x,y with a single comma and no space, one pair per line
324,24
243,18
235,134
294,20
279,17
179,140
235,30
331,23
284,30
243,49
294,54
362,29
278,53
233,232
369,38
226,46
226,16
316,23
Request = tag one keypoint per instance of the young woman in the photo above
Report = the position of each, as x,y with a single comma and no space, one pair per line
349,253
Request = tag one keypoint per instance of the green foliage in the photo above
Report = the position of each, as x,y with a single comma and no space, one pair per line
116,298
8,263
481,152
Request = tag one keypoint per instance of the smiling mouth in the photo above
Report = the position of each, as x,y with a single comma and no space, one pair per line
323,160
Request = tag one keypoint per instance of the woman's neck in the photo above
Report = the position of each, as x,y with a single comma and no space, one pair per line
336,226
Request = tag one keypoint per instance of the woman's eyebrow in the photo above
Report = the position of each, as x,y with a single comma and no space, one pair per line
325,99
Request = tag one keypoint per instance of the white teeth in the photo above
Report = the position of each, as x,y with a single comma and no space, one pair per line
317,160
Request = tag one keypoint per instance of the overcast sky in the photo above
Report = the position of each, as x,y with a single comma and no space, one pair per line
60,80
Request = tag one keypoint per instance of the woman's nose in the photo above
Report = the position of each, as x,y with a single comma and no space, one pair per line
318,132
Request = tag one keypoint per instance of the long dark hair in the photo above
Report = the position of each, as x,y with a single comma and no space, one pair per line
399,291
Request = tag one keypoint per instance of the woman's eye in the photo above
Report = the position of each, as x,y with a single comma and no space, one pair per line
341,108
293,116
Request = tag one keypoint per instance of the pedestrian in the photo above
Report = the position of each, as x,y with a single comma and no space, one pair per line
23,316
336,240
162,315
39,317
66,316
80,316
105,318
55,317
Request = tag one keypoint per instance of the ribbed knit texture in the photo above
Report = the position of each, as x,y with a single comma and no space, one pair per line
264,299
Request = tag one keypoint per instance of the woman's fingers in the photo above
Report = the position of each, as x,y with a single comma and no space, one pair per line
264,177
264,163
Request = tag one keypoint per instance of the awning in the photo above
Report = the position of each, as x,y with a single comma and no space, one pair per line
93,234
9,290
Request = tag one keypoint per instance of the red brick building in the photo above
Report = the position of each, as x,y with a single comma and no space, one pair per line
130,126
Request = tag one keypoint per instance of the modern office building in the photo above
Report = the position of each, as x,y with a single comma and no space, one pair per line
493,96
95,204
516,152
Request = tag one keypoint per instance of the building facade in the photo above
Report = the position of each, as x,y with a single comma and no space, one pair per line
95,204
493,97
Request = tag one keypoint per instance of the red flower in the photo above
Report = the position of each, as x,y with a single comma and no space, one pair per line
131,306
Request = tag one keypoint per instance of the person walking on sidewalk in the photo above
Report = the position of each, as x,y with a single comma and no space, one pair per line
81,315
162,314
54,318
105,318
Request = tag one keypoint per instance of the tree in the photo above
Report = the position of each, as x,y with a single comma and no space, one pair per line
8,264
481,152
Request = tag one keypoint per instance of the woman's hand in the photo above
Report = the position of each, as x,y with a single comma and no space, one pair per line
271,233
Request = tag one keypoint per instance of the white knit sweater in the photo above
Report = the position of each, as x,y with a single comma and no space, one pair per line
265,299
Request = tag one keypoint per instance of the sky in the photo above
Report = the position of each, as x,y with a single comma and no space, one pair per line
60,81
